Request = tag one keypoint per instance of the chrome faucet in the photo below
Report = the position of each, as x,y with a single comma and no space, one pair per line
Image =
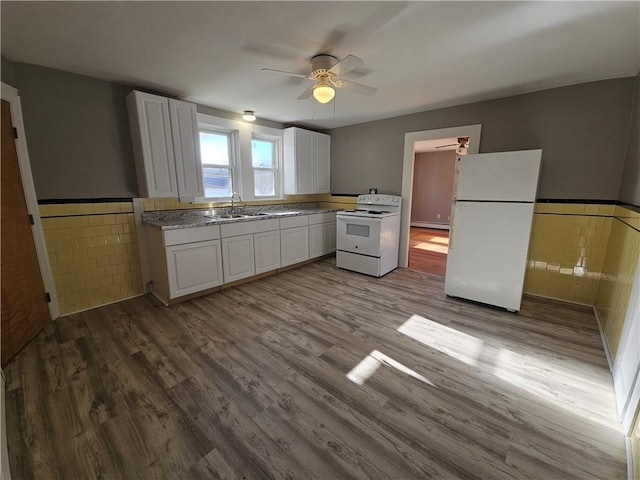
234,197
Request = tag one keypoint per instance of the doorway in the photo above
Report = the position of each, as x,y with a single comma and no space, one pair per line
429,246
28,297
433,178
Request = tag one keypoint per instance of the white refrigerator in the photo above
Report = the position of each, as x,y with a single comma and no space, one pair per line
491,226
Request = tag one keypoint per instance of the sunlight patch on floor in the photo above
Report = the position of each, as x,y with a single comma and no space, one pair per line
372,362
508,367
447,340
428,246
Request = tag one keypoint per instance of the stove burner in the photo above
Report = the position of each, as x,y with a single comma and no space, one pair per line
377,212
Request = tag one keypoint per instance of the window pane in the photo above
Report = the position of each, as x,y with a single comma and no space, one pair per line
217,182
264,182
214,148
262,153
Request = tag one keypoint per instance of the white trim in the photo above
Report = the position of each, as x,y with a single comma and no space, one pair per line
10,94
138,210
629,450
472,131
440,226
605,345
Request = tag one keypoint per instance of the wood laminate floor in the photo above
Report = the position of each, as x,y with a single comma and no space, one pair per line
316,373
428,248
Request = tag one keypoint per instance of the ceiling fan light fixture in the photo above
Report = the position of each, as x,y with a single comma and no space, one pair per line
323,93
249,116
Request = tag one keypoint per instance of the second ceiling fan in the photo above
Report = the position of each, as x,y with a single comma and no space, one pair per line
463,145
326,71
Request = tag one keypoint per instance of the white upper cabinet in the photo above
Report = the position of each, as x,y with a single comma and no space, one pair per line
166,147
306,161
186,148
322,146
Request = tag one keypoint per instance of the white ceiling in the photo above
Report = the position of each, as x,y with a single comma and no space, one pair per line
420,55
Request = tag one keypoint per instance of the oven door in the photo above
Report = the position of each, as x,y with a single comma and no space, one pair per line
359,235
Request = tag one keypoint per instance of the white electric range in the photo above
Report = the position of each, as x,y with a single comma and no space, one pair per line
368,236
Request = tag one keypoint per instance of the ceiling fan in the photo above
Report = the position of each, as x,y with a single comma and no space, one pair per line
463,145
326,71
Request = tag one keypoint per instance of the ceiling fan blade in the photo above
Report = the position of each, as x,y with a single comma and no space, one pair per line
307,93
355,87
450,145
290,74
345,65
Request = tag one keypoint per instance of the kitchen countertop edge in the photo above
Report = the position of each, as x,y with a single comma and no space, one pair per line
203,221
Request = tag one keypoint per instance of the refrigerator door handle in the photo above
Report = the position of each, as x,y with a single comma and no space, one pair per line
451,223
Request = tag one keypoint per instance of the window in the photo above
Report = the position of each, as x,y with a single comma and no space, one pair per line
264,161
218,161
239,157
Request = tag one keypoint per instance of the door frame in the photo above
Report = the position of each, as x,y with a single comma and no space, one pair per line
472,131
629,406
10,94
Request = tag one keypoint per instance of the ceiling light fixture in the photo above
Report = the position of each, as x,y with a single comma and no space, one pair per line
462,150
249,116
323,91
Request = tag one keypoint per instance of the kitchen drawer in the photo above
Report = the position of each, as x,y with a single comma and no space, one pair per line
297,221
190,235
322,218
249,227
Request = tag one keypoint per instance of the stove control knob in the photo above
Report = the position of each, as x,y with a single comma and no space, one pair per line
377,198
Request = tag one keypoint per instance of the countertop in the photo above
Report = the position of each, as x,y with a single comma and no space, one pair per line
176,219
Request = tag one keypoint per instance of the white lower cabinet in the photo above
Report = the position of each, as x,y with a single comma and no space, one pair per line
322,234
237,258
190,260
193,267
249,248
266,247
331,236
183,261
317,240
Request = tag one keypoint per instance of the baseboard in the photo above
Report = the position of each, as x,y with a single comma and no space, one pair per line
588,305
629,449
101,305
605,345
441,226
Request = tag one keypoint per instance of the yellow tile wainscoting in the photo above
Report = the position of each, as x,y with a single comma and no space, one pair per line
620,267
567,250
93,251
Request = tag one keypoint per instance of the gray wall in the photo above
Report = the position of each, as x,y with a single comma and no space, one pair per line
433,186
77,134
582,129
630,186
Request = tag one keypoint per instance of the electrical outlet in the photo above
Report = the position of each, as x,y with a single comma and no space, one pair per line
438,215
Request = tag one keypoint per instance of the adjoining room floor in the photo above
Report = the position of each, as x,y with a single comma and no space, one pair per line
428,249
316,373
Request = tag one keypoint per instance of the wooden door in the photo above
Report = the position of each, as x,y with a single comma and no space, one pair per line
24,307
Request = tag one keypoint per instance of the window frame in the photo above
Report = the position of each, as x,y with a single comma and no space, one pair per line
243,176
276,141
233,159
